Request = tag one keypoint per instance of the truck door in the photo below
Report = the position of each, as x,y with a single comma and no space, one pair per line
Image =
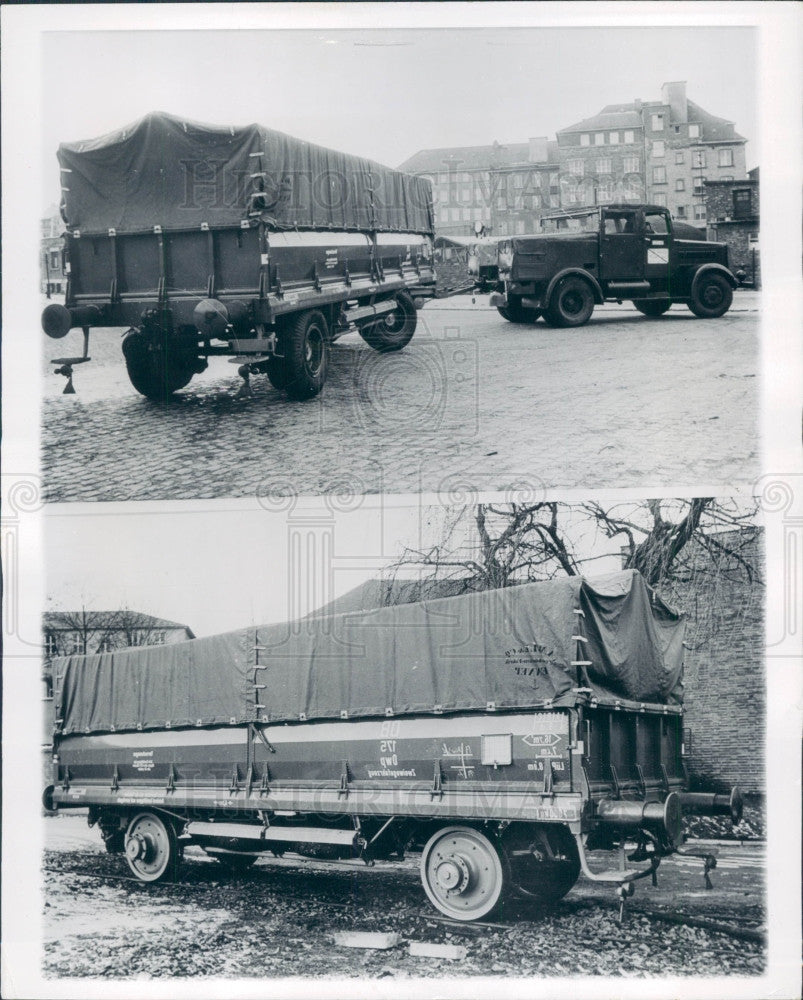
658,233
622,245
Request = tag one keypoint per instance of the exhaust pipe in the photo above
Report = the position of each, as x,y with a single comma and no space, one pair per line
58,320
709,804
666,816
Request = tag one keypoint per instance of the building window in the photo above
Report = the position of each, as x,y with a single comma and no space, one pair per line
613,138
659,175
51,646
657,123
742,203
444,215
604,165
726,157
698,158
699,212
752,241
585,140
105,645
680,184
694,131
630,136
465,194
681,211
599,138
680,156
55,260
658,148
659,199
455,215
699,187
605,191
576,167
466,215
76,643
631,164
726,177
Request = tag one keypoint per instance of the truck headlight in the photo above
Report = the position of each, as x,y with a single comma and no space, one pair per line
505,256
473,264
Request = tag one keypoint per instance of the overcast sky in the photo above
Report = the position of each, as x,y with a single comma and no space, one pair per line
387,94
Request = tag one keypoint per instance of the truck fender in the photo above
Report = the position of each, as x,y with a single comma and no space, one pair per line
704,269
576,272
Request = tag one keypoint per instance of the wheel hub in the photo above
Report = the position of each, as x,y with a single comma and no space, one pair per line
452,874
137,847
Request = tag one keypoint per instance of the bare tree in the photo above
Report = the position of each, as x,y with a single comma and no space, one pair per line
501,545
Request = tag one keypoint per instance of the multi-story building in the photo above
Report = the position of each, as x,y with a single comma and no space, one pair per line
660,152
51,265
504,189
732,215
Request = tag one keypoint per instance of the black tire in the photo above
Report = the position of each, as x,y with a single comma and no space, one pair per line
277,373
548,874
711,297
306,354
159,365
394,330
652,307
572,303
504,313
517,313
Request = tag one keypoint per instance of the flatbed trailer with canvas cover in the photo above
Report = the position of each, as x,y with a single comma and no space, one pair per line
506,734
243,242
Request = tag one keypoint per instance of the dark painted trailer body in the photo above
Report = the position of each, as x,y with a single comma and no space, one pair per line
611,253
507,734
237,241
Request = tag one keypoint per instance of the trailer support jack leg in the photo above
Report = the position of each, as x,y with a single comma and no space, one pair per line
66,365
245,391
624,891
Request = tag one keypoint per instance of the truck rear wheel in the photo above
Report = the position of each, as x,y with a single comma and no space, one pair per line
158,365
571,304
711,296
306,355
462,873
395,329
652,307
543,860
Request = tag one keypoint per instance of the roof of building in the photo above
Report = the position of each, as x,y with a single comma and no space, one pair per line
108,620
614,116
379,593
497,155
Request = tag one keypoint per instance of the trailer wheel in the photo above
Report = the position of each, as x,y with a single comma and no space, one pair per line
306,350
151,848
157,367
652,307
711,296
571,304
276,371
462,873
543,860
517,313
394,330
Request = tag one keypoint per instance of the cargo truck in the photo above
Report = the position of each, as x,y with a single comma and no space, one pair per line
506,735
243,242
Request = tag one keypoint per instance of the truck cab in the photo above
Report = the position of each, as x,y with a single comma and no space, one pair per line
611,253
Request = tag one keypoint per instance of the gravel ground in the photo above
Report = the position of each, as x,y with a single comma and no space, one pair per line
278,920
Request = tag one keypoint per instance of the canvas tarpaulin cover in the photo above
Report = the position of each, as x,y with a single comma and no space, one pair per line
164,171
513,649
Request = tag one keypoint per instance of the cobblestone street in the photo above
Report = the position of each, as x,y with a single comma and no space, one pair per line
473,402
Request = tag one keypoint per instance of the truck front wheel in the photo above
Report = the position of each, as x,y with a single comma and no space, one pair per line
395,329
515,312
306,355
571,303
711,296
159,365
